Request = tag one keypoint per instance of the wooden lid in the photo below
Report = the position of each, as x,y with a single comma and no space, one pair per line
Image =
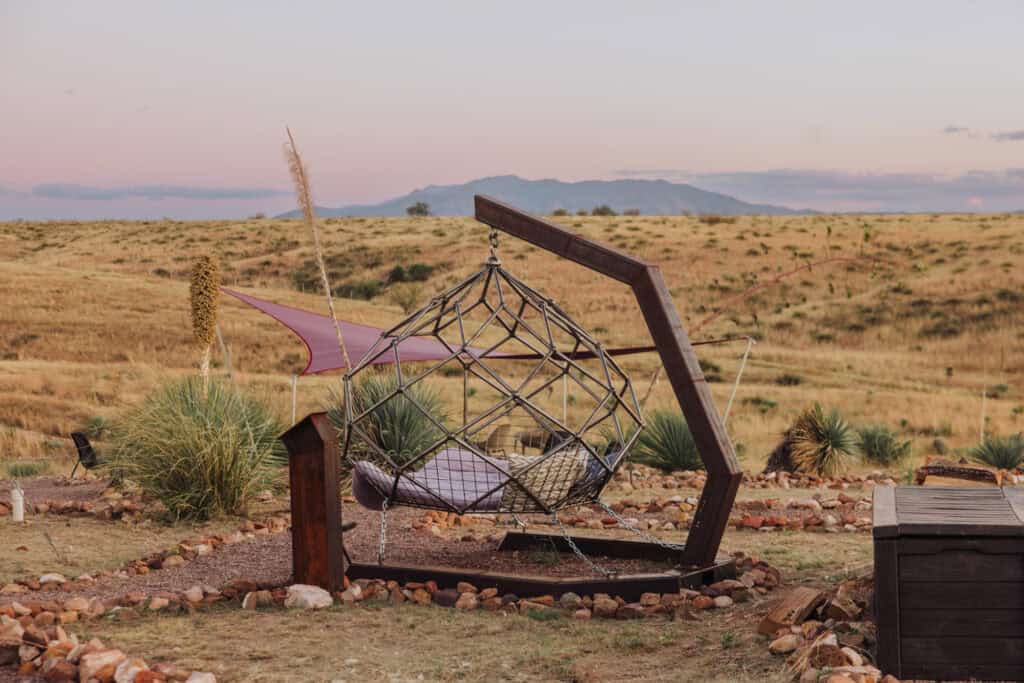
947,511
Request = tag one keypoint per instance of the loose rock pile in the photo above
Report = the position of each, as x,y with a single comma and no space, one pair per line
825,637
35,645
843,513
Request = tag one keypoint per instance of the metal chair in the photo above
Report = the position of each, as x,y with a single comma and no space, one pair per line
86,455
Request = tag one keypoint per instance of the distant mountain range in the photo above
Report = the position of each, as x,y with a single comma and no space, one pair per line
649,197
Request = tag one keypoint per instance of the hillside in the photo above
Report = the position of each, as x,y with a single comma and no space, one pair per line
95,314
649,197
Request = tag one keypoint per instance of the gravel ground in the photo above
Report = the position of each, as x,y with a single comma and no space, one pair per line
54,488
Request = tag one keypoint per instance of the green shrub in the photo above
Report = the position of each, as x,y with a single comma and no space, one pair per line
788,380
396,427
365,290
24,470
1001,452
96,427
603,210
667,444
881,445
202,454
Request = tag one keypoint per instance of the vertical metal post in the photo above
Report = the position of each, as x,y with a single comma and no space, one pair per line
565,398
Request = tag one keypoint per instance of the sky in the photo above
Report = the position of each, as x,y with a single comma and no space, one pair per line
128,109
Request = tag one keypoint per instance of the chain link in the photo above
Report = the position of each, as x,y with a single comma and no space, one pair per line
639,532
383,531
598,569
493,239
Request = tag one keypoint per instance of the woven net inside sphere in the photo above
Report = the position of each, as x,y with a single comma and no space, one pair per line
527,413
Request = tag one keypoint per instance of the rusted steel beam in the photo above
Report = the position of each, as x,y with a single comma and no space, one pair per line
675,350
313,460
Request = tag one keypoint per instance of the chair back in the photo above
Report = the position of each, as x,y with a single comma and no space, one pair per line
86,454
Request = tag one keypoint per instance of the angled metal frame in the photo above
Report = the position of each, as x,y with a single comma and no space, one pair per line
674,348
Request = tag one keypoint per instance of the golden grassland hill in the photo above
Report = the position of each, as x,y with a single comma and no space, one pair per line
914,317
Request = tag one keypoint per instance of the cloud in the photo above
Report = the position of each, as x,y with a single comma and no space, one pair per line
1009,136
85,192
849,191
955,129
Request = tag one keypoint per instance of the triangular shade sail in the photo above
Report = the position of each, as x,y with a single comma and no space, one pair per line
317,333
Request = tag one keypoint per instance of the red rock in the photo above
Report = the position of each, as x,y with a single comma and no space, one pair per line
702,602
752,522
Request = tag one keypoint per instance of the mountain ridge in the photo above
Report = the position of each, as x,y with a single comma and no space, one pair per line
649,197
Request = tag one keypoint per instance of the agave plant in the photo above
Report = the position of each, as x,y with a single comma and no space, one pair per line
397,426
667,444
1004,453
881,445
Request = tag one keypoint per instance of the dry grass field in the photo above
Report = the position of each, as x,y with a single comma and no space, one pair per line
910,321
923,315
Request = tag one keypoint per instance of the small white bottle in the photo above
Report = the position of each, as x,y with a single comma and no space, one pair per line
17,504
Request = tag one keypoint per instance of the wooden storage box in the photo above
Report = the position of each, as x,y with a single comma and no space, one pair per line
949,582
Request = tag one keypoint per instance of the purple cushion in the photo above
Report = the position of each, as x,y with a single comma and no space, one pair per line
454,478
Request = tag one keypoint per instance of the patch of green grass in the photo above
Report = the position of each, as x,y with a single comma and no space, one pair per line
24,470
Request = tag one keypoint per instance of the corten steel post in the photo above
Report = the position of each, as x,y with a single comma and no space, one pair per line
677,355
313,460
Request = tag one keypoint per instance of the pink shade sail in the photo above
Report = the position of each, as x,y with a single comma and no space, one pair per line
317,333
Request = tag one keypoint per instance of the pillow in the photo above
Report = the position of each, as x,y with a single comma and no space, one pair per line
547,477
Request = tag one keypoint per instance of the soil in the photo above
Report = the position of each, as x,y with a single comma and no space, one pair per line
266,559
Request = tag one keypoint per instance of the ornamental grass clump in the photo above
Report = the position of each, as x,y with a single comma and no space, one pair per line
667,444
396,427
202,451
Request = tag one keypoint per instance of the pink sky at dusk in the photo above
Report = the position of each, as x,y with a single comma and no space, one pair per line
384,98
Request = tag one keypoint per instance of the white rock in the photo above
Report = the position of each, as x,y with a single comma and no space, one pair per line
203,549
853,656
53,577
93,662
201,677
301,596
194,594
127,670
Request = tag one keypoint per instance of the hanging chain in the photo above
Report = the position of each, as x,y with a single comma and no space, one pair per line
598,569
493,240
639,532
383,531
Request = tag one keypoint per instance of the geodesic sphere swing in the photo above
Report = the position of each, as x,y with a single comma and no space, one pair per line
511,451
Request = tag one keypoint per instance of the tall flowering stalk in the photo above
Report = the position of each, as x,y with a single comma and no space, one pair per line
204,296
305,199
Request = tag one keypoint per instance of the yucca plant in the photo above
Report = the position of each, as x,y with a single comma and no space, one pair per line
1001,452
822,443
816,442
667,443
203,452
397,426
881,445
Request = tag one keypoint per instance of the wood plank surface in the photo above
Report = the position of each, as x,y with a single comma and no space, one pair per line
962,565
956,622
962,596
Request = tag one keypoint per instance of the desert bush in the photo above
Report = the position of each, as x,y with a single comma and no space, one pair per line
1001,452
363,289
715,219
202,454
396,427
407,297
881,445
418,209
603,210
788,380
816,442
560,212
667,444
